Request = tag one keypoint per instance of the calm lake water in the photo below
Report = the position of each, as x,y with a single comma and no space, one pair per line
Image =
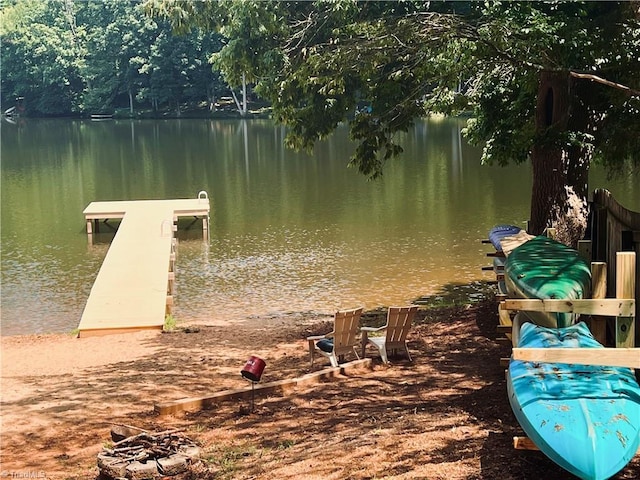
290,232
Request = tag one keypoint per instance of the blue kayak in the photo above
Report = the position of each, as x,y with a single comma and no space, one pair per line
498,232
584,418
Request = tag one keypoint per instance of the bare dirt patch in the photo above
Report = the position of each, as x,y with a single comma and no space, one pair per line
444,416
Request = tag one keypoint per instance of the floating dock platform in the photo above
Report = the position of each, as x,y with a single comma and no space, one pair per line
133,289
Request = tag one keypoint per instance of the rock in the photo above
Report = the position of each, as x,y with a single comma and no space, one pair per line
142,471
190,451
112,466
173,465
120,432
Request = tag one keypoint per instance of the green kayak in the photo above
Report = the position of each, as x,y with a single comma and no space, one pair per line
544,268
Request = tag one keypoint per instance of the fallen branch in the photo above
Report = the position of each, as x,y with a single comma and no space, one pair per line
147,436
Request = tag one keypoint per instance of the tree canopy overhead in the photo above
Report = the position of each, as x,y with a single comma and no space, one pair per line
556,83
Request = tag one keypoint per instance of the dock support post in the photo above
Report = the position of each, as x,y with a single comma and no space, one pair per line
625,288
205,227
204,197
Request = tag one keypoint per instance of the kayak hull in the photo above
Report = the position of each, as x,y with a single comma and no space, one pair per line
584,418
544,268
498,232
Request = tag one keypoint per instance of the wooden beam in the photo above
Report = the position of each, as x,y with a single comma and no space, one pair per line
277,387
99,332
524,443
505,318
615,307
613,357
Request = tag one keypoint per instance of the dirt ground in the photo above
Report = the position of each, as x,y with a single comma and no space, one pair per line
443,416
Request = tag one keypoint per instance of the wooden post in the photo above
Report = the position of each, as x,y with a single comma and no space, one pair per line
171,283
599,290
172,261
90,231
636,248
625,288
168,309
205,227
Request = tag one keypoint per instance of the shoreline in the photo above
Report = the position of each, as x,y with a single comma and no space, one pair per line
444,416
469,293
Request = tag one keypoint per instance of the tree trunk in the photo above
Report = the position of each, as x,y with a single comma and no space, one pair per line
244,95
130,102
560,171
242,108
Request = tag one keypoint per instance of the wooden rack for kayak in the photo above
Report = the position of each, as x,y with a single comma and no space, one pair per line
134,287
622,307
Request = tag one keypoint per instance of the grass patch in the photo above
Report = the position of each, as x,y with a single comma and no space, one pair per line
283,445
170,323
227,460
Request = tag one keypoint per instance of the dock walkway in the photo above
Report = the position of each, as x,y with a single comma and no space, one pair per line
132,290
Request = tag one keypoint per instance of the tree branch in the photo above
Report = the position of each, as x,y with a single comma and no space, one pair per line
595,78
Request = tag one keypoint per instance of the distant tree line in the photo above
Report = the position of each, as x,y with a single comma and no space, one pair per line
68,57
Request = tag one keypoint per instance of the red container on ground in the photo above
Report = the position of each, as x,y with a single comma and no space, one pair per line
253,369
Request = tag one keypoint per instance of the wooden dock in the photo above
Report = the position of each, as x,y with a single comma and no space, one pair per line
133,289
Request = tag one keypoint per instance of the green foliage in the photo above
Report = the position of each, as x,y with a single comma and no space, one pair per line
504,104
518,40
42,52
227,458
66,56
170,323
